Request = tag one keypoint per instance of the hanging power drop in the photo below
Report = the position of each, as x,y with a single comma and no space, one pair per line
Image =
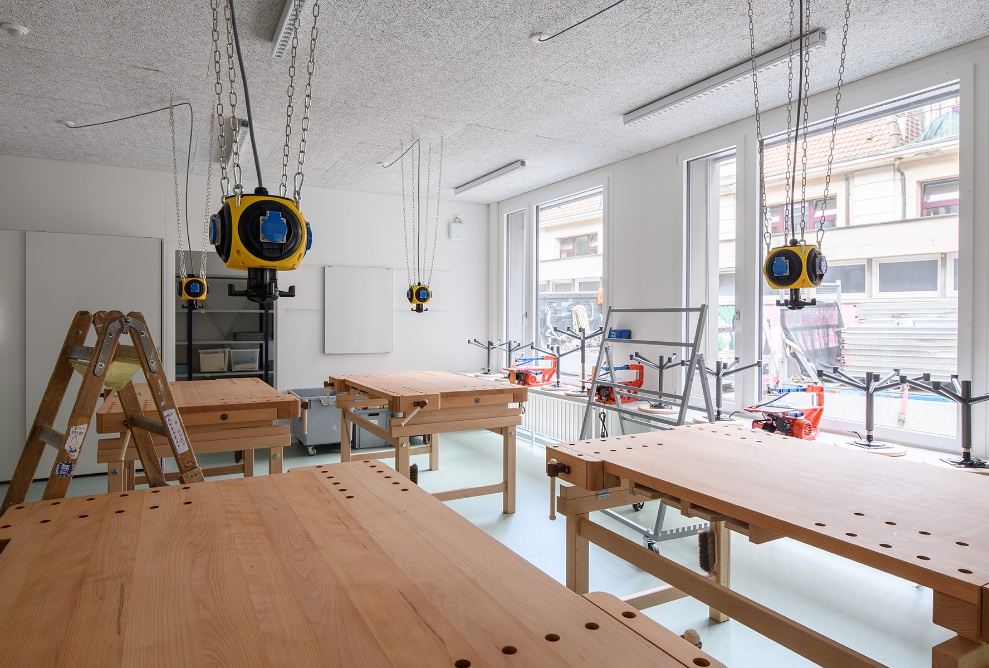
260,233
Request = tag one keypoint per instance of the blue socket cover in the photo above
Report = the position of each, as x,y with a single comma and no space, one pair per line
214,230
308,237
274,229
781,266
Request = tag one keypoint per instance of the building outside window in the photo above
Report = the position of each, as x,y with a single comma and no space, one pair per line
585,244
570,268
890,298
939,198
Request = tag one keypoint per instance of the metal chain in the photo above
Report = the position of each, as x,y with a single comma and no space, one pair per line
425,228
314,35
413,177
405,218
238,187
806,113
218,88
834,121
209,187
175,181
767,235
436,226
283,186
787,207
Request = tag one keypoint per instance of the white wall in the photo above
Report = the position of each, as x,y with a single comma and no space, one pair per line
364,230
349,228
644,211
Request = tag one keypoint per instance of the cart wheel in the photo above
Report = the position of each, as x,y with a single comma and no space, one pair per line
653,546
638,506
312,451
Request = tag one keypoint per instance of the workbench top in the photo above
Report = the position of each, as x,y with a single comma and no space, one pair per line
338,565
920,522
205,396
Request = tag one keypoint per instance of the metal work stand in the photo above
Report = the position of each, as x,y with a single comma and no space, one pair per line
694,365
510,347
961,393
870,385
664,364
555,353
719,373
582,336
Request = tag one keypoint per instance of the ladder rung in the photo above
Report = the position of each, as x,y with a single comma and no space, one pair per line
147,424
85,353
51,437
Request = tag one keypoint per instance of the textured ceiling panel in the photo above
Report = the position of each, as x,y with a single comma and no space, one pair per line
390,70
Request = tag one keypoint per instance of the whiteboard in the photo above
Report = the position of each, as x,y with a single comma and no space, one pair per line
358,310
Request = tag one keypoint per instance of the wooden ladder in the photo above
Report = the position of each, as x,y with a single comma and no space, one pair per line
106,364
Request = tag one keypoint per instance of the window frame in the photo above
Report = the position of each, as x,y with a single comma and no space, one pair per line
908,294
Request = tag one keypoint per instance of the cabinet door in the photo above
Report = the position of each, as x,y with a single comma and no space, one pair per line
67,273
11,351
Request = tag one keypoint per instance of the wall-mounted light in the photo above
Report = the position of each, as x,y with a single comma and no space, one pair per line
487,178
814,41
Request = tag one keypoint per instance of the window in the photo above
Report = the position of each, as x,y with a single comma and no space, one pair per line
897,306
570,268
851,277
586,244
711,214
908,276
939,198
561,286
825,212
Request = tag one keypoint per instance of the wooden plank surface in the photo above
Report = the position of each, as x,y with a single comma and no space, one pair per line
220,396
344,565
915,521
440,388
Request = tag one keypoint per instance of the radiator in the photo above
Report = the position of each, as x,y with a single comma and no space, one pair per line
555,418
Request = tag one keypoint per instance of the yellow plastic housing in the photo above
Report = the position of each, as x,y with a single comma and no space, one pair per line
193,289
243,257
794,267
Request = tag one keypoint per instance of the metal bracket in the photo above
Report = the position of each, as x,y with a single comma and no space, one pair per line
602,494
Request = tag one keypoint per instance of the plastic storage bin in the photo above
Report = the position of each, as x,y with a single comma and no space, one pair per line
213,360
365,439
244,360
323,419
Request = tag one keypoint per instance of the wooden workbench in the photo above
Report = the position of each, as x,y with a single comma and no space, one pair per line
429,403
918,522
338,565
223,415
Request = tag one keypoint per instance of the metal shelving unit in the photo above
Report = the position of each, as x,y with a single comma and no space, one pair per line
216,321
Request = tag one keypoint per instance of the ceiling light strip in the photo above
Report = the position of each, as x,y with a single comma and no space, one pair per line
487,178
814,41
282,37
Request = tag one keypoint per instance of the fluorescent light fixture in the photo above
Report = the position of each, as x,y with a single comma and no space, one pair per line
283,32
228,148
487,178
814,41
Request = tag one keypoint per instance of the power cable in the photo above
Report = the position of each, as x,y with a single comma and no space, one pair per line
188,159
540,37
247,96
